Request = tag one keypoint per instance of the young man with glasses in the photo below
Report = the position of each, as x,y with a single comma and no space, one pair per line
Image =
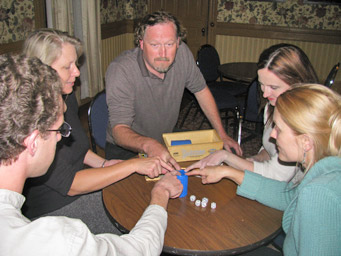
31,110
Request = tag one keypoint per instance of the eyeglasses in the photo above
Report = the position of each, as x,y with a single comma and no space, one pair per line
64,130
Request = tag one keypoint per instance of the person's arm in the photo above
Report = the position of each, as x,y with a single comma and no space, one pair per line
127,138
213,174
316,222
146,238
223,156
209,107
93,160
272,193
262,156
238,162
89,180
167,187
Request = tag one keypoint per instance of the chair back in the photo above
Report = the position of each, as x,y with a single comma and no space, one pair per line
208,62
331,76
252,104
98,116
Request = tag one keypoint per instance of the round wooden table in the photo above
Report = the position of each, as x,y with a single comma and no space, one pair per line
239,71
237,224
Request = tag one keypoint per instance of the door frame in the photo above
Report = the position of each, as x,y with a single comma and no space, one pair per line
212,19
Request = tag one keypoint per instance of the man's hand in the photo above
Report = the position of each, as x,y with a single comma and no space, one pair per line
154,148
213,159
230,143
167,187
127,138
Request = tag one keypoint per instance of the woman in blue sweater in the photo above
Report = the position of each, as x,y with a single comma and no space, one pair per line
308,131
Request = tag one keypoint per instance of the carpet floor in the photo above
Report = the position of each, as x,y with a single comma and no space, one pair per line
194,119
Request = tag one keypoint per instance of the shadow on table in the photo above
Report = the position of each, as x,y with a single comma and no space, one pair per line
262,251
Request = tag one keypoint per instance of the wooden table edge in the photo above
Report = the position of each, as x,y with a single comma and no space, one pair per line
184,252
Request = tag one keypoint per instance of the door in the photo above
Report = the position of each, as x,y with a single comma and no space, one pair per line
197,16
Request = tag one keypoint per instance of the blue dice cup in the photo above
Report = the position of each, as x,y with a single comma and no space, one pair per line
184,181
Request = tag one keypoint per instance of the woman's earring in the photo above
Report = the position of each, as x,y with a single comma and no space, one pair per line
304,156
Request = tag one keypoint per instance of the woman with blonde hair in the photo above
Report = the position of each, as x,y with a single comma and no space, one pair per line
307,130
70,188
279,67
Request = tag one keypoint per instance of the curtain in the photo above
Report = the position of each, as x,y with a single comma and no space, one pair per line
81,18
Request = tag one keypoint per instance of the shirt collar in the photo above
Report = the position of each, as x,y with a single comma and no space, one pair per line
142,65
11,197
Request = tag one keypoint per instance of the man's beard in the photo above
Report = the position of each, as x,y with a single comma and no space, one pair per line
162,69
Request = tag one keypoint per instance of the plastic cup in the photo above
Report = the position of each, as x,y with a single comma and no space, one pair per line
184,181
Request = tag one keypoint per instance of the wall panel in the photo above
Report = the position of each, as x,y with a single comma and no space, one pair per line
237,48
114,46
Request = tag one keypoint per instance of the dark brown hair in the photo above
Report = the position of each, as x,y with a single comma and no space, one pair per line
30,99
290,64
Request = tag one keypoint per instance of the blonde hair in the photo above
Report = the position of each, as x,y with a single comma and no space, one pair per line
46,44
315,110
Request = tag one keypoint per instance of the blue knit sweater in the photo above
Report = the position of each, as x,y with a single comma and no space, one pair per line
312,210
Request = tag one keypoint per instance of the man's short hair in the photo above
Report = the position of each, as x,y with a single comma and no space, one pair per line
158,18
30,94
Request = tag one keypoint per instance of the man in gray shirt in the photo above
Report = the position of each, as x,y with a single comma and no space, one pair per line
145,86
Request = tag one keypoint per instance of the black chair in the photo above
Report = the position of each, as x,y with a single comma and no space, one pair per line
98,116
226,103
250,113
208,62
331,76
224,92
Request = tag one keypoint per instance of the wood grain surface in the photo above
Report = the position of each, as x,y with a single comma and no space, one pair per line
236,225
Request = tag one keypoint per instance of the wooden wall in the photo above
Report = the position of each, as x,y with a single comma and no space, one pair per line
237,42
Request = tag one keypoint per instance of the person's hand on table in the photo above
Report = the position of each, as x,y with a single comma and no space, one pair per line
156,149
213,174
230,143
213,159
170,183
152,167
167,187
209,174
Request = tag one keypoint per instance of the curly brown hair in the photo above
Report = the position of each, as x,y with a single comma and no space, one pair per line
30,96
157,18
